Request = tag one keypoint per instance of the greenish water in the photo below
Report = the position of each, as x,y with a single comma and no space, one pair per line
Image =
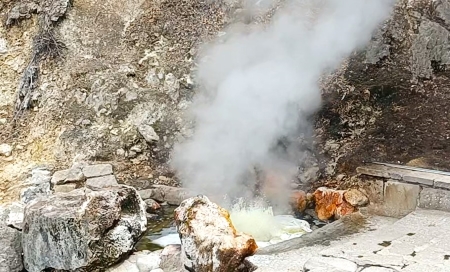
157,228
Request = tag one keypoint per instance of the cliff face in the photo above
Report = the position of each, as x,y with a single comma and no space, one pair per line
98,80
108,80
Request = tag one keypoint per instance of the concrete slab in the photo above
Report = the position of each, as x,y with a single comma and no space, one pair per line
399,198
294,260
419,242
373,170
435,199
374,189
420,178
398,174
442,182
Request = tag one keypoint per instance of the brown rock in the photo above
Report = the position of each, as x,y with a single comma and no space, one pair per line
209,240
298,200
331,203
151,205
356,198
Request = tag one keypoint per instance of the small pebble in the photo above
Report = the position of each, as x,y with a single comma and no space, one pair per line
5,150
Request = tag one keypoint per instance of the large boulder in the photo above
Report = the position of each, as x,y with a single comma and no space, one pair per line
209,241
10,249
83,230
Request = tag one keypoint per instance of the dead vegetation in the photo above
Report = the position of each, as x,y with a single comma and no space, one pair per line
46,44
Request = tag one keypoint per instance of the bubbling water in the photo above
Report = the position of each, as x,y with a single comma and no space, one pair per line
258,220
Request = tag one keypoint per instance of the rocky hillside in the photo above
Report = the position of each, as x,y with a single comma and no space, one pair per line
109,80
389,102
98,81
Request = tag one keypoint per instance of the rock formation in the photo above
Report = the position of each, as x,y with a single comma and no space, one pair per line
209,241
83,230
11,248
331,204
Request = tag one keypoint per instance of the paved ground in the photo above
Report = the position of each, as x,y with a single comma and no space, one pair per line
419,242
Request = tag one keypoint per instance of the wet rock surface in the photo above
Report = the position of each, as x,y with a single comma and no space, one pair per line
209,241
83,229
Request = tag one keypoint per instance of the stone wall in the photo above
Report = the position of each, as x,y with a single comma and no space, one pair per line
397,190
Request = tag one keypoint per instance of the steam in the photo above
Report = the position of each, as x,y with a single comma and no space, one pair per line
260,83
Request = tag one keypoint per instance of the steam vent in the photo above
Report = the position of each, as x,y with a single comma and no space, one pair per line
224,136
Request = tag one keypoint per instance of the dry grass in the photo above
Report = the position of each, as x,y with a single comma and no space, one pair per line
46,46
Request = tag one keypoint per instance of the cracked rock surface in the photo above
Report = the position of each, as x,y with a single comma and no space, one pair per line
83,230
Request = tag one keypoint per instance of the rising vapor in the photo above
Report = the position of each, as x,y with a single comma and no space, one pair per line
260,83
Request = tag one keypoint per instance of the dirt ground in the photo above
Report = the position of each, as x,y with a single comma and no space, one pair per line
411,125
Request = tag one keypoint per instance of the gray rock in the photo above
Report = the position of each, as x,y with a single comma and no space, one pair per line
101,182
64,188
310,174
146,194
143,261
68,175
171,258
125,266
5,150
3,46
148,262
10,249
428,45
97,170
378,48
169,194
15,215
33,192
152,205
3,213
148,133
329,264
59,176
83,229
40,176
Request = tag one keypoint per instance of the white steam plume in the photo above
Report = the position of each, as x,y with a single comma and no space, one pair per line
261,83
